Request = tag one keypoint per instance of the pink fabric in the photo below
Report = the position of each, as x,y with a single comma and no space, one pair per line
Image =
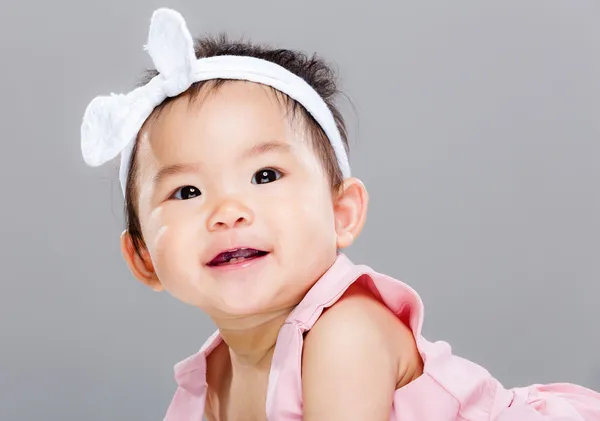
451,388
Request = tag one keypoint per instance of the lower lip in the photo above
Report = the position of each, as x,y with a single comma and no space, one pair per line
239,265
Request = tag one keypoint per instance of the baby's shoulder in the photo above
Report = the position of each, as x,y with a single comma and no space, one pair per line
360,329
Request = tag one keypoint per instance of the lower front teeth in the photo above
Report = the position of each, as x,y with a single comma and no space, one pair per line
236,259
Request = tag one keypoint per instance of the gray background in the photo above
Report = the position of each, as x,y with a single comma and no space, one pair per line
476,128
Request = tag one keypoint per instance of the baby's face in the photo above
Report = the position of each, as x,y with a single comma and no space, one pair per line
229,173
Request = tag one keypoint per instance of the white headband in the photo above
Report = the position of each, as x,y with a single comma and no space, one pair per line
111,123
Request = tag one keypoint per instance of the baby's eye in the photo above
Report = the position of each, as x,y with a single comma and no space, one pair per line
186,193
266,175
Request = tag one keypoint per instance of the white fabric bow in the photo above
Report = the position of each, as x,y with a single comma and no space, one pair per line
111,123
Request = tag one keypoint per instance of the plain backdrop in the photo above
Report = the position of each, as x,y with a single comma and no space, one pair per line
475,126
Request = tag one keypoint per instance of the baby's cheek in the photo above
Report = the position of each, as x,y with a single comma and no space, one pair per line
161,240
160,234
167,252
157,242
173,251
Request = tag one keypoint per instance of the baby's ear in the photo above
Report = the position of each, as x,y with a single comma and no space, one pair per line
350,209
140,264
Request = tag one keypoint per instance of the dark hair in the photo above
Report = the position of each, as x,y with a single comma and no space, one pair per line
312,69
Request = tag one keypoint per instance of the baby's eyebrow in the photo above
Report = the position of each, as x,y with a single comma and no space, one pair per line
174,169
265,147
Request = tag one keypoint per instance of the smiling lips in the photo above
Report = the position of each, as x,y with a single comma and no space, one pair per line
235,256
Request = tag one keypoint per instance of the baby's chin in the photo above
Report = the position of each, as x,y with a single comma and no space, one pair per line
251,300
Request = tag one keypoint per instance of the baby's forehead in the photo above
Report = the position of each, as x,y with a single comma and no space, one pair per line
237,110
222,120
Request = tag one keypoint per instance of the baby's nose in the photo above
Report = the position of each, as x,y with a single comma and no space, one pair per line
230,214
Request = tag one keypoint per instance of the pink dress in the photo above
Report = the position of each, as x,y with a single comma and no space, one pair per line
450,389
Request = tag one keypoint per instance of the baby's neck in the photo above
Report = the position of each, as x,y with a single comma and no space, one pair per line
251,341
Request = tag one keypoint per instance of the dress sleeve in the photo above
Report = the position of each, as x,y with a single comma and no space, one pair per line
455,389
553,402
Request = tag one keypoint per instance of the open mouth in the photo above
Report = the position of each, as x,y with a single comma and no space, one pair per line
231,257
